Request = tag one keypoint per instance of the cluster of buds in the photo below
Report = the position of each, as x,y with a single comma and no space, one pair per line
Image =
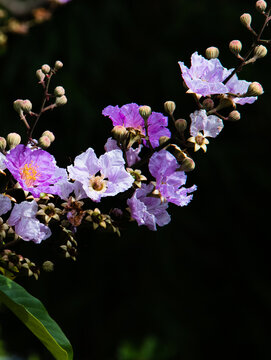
12,265
69,247
100,220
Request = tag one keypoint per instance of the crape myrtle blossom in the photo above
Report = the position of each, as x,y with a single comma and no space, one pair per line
2,162
148,210
129,117
169,181
35,170
131,154
100,177
27,226
5,204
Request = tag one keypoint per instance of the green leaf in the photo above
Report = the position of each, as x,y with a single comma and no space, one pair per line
34,315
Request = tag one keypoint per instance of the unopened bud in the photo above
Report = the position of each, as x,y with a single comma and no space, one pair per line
40,75
48,266
58,65
246,20
170,107
17,105
145,111
188,164
50,135
59,91
61,100
261,6
3,143
26,105
235,46
13,139
212,52
234,115
44,142
260,51
45,69
3,39
180,125
119,133
163,139
254,89
208,104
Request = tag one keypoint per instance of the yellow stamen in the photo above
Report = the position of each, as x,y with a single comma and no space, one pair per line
29,174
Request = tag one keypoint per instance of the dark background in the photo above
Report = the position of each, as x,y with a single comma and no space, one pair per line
200,286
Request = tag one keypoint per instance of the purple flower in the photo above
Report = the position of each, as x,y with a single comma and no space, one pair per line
210,125
163,166
2,162
35,170
23,217
205,77
131,154
148,210
129,117
5,204
101,177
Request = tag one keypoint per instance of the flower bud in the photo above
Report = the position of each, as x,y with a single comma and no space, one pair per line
145,111
45,69
44,142
246,20
188,164
260,51
180,125
163,139
3,143
119,133
26,105
212,52
13,139
261,6
61,100
208,104
234,115
235,46
40,75
170,107
17,105
3,39
59,91
50,135
48,266
58,65
254,89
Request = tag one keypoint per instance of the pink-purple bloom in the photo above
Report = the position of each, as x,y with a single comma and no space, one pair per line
148,210
2,162
129,117
103,176
210,125
5,204
169,181
27,226
131,154
35,170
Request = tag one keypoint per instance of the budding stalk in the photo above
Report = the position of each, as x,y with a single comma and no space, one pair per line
13,139
212,52
235,46
170,107
261,6
246,20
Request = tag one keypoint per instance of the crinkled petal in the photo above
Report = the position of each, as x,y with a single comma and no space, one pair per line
2,161
5,204
24,209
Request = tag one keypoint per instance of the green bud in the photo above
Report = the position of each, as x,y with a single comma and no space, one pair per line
119,133
44,142
17,105
45,69
50,135
235,46
260,51
61,100
254,89
212,52
187,165
261,6
48,266
40,75
170,107
58,65
246,20
208,104
145,111
26,106
3,143
163,139
13,139
180,125
59,91
234,115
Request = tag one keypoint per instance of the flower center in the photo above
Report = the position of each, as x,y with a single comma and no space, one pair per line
29,174
199,139
98,183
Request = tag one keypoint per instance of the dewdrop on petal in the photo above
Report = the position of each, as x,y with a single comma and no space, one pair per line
50,135
235,46
40,75
260,51
246,20
254,89
26,105
261,6
145,111
45,69
61,100
234,115
3,143
58,65
170,107
59,91
44,142
13,139
212,52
